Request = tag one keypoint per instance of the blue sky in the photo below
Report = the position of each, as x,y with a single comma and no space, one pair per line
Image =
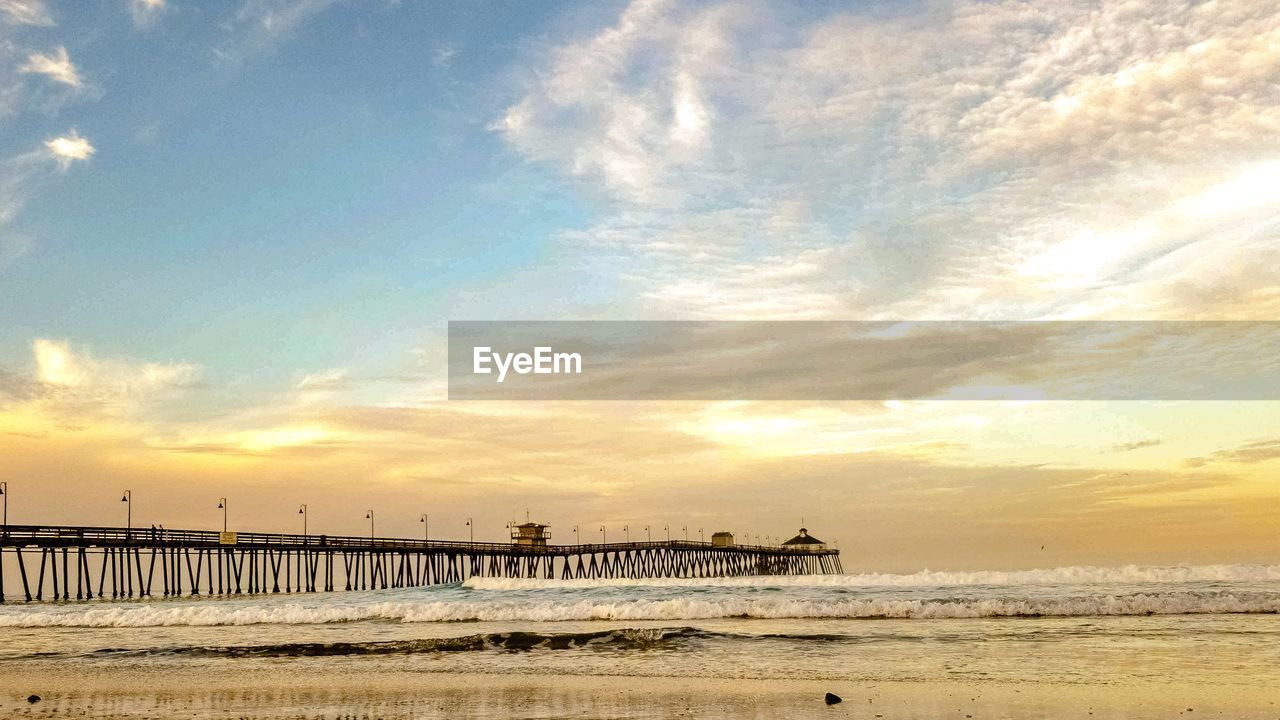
232,234
339,174
314,187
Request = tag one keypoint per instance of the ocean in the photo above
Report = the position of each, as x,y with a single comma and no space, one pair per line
1212,626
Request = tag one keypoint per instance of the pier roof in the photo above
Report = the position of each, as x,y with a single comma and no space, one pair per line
804,538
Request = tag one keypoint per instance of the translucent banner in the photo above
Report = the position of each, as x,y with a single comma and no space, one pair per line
839,360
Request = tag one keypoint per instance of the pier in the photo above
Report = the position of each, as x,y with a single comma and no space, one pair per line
83,563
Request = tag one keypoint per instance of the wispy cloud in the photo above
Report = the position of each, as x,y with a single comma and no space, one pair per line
24,175
70,387
1136,445
1258,451
977,160
335,378
146,12
629,106
259,24
58,366
443,56
25,12
56,66
285,441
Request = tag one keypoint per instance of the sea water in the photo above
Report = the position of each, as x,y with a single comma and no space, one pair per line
1196,624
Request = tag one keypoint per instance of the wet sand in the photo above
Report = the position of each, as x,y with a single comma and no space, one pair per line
279,691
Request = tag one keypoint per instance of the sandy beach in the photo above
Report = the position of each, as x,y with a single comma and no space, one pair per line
283,692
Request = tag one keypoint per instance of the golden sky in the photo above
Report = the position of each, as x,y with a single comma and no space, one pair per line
898,485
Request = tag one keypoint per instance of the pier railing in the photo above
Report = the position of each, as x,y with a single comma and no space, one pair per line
62,535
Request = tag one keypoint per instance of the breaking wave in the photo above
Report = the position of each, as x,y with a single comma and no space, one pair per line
684,608
1075,575
621,639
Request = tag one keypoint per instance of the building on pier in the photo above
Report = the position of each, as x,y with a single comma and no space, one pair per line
722,539
805,542
530,534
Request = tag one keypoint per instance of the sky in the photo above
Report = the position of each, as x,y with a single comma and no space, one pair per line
232,235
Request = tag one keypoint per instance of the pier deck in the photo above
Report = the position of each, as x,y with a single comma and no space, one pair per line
143,562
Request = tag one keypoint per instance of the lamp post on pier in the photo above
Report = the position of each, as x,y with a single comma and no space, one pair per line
222,505
369,516
627,529
604,538
302,510
127,499
4,492
426,527
647,533
472,527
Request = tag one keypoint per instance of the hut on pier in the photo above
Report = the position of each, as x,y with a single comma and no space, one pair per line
805,542
530,534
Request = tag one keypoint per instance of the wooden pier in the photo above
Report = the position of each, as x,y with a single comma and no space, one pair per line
83,563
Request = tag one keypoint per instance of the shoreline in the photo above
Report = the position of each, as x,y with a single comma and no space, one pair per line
276,691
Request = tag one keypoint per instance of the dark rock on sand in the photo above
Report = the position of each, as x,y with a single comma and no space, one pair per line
33,699
832,698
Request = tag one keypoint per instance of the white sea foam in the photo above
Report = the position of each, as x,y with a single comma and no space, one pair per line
1067,591
690,608
1075,575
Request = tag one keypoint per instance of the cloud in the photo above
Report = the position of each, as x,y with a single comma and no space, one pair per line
58,366
74,388
324,386
56,66
627,107
1136,445
333,379
24,175
15,387
259,24
25,12
19,92
959,160
69,148
289,440
442,56
146,12
42,82
1250,453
